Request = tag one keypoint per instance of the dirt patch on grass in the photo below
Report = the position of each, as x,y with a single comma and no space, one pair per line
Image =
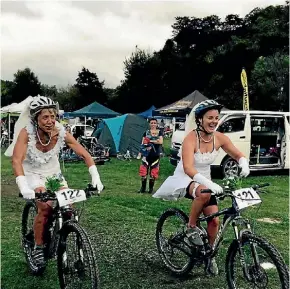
269,220
9,190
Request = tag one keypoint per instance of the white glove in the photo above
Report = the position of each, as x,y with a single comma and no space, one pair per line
244,165
25,191
96,181
215,188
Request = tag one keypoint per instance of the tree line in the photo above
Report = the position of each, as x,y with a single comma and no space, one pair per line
205,54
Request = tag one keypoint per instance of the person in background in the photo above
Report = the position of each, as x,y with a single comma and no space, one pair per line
78,132
12,126
150,164
161,126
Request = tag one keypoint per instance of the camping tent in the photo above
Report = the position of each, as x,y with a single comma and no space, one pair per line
147,113
94,109
122,133
182,106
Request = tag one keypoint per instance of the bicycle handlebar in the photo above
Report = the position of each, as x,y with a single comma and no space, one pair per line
228,192
50,196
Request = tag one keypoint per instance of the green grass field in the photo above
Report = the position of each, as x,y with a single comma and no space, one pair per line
121,224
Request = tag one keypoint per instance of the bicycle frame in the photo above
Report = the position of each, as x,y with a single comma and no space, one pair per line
231,215
56,223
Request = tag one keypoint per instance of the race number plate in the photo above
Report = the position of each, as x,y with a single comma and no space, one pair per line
69,196
246,197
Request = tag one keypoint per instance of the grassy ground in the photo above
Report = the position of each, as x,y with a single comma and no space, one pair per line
121,224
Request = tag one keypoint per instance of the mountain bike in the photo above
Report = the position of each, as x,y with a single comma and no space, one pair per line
253,253
127,156
64,239
99,152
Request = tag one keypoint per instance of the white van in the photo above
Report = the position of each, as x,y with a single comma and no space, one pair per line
263,136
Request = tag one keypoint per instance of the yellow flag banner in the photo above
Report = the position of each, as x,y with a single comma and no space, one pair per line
246,91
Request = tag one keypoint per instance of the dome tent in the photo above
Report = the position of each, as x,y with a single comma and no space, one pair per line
122,133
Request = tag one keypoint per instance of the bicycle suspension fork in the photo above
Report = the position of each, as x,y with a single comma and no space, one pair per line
239,236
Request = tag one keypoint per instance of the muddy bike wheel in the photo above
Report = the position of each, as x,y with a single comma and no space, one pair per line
27,240
76,261
265,265
174,252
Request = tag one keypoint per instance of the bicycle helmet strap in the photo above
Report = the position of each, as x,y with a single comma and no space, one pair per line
200,128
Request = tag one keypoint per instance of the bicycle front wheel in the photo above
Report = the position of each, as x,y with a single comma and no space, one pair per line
77,267
174,252
265,267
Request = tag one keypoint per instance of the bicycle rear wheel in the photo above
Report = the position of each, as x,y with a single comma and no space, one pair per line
265,265
76,261
28,215
174,252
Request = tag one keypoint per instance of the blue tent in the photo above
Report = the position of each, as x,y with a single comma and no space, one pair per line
147,113
122,133
94,109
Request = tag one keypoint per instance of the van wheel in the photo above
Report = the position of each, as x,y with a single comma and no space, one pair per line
230,167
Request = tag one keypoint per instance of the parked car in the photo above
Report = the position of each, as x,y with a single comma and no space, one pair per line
263,136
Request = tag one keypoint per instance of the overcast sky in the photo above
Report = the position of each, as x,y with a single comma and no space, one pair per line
56,38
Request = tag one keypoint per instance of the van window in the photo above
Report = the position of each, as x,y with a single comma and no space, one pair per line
233,125
267,124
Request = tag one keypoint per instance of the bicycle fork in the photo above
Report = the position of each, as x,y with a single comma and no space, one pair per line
78,244
238,235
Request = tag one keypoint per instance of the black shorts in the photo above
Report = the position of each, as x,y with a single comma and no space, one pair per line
212,201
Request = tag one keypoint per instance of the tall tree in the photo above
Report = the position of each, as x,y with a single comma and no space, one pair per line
68,97
90,88
270,79
49,90
6,92
133,93
25,83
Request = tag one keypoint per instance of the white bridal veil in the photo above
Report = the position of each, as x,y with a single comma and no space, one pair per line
22,121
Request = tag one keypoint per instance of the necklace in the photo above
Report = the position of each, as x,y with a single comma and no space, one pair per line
45,145
206,141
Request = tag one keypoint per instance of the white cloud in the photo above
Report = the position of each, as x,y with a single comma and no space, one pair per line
63,36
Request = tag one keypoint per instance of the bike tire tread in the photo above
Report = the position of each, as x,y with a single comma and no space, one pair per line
68,228
168,213
35,270
273,253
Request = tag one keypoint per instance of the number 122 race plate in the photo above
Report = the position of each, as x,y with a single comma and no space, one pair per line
69,196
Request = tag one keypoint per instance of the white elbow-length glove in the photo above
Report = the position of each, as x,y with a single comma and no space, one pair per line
215,188
244,165
25,191
96,181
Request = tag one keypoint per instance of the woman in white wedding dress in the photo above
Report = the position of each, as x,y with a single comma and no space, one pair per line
192,174
38,139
